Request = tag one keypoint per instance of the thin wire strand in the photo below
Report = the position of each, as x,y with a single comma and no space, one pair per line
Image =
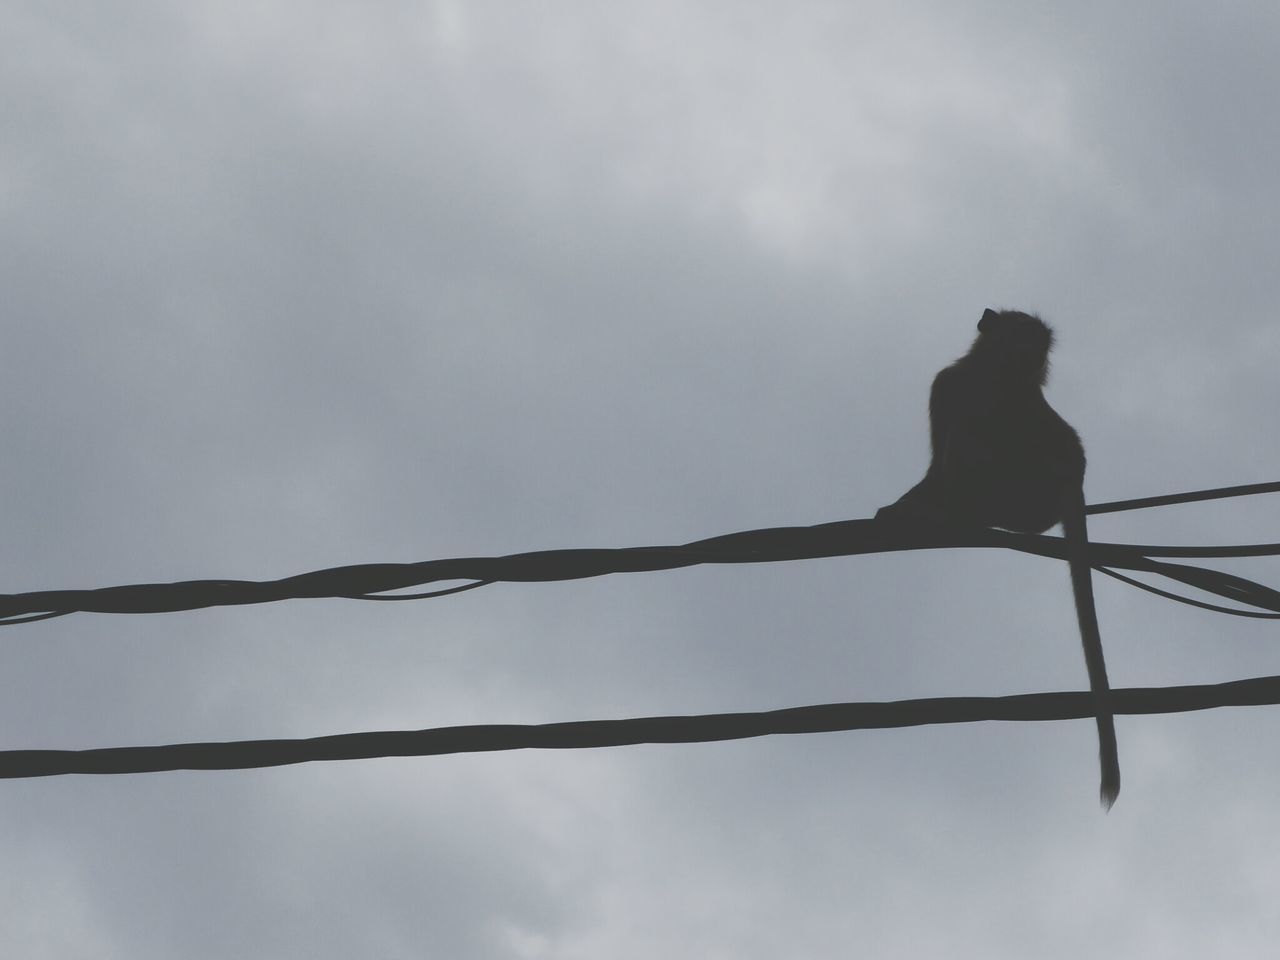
1188,600
1218,493
34,617
421,596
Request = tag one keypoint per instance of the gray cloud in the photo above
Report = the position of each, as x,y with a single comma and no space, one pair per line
311,284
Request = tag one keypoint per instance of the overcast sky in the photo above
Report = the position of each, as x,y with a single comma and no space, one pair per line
292,285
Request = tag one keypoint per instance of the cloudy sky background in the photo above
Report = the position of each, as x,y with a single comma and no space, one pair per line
292,285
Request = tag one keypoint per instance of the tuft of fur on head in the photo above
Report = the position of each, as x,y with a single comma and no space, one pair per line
1017,344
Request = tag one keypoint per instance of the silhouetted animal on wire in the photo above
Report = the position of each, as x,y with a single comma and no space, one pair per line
1002,457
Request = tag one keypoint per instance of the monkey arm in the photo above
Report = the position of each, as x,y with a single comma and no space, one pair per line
922,502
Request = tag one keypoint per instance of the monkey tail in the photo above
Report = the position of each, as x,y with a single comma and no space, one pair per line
1077,537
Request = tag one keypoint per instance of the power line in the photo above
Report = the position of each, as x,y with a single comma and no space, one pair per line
1217,493
707,728
842,538
375,581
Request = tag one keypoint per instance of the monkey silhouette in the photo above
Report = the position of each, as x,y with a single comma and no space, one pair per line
1002,457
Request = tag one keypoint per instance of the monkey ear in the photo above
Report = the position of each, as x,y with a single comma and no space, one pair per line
988,315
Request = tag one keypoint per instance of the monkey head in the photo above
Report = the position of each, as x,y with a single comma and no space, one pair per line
1014,343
